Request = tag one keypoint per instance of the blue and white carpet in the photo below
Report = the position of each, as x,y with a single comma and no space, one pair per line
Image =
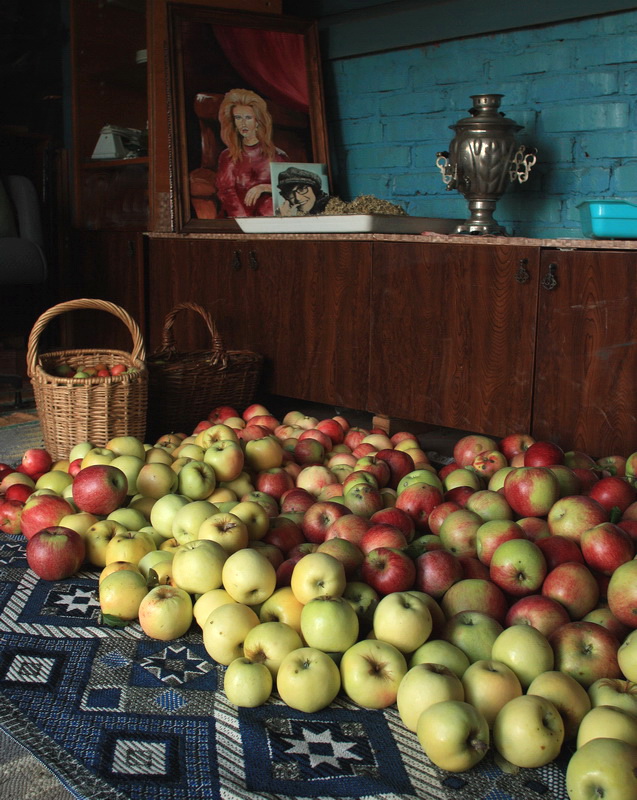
118,716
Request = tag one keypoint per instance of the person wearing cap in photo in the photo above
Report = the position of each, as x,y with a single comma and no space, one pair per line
301,191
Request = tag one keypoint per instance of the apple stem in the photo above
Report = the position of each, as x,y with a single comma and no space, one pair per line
478,745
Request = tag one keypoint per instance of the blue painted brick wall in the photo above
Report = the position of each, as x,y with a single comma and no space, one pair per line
573,86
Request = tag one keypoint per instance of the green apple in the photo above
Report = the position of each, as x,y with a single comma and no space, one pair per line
189,518
129,546
97,455
163,513
528,731
196,480
165,613
473,632
131,467
156,480
282,606
627,656
568,695
240,485
317,575
255,517
329,624
227,459
611,692
248,576
131,518
525,650
608,722
603,768
152,560
453,734
96,539
263,453
54,480
371,672
121,593
364,600
127,446
158,454
189,450
198,565
247,683
79,521
419,476
206,603
115,566
216,433
227,530
404,620
463,476
308,680
488,685
79,450
269,642
439,651
225,630
422,686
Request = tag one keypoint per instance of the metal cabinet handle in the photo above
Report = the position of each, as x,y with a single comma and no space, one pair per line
522,275
253,262
549,281
236,260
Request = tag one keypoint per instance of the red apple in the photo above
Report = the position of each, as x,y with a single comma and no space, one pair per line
377,467
398,518
459,495
458,532
348,553
253,410
622,593
611,492
297,499
586,651
559,549
489,462
355,436
274,481
19,491
363,449
284,533
543,454
400,463
515,443
606,547
567,478
475,594
99,489
571,516
44,511
388,570
342,421
579,459
268,421
308,452
382,535
10,515
222,413
491,534
252,432
333,428
602,615
320,436
419,500
447,469
612,465
55,552
472,567
436,571
574,586
440,513
468,447
541,612
36,461
587,478
535,528
318,518
350,526
531,491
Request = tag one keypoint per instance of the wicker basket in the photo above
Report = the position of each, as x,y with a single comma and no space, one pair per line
185,387
74,410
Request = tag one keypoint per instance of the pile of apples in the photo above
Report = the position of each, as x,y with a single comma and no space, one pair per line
101,370
493,599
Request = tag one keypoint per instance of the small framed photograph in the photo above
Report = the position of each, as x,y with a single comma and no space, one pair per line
299,189
245,92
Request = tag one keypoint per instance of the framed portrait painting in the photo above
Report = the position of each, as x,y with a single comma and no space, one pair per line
245,92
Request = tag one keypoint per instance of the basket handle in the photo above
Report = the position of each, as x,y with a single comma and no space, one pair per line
168,346
138,351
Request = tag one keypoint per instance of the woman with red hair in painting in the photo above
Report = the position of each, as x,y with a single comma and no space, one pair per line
243,179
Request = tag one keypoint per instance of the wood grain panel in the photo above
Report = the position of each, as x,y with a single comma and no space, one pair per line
452,337
586,373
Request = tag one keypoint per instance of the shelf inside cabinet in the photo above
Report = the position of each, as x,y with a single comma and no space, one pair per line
105,163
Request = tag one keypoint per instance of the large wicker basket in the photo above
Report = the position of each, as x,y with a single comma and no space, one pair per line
74,410
185,387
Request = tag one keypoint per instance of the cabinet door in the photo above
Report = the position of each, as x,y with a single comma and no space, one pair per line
303,304
586,369
453,335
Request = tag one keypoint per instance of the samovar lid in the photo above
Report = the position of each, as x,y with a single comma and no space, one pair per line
484,112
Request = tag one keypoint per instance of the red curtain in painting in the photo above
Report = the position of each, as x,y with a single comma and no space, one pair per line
271,62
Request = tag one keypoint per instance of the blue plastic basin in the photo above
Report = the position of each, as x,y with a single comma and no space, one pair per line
609,219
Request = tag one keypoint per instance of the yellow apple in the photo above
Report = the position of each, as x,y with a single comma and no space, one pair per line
158,454
156,480
568,695
225,630
247,683
524,649
97,455
165,613
131,466
152,559
164,511
422,686
121,594
115,566
248,576
96,539
189,518
55,480
129,546
227,530
197,566
528,731
282,606
79,521
439,651
206,603
453,734
308,680
254,516
127,446
131,518
608,722
603,768
404,620
610,692
317,575
269,643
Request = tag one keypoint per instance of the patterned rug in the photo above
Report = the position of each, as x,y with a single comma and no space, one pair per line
118,716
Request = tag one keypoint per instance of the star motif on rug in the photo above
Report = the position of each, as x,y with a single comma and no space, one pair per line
321,748
175,665
71,601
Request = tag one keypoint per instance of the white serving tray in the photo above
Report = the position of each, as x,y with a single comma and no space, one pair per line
347,223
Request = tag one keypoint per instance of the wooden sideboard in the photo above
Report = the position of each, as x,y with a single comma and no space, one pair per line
491,336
